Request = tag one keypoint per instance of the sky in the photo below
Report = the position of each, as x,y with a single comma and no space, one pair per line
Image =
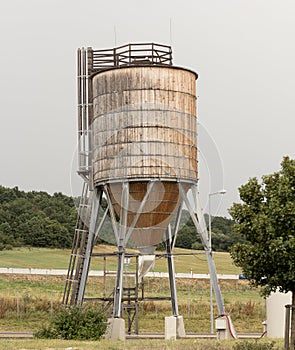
242,50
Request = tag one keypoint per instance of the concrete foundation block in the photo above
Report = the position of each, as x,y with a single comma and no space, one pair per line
225,328
115,329
180,330
174,327
170,327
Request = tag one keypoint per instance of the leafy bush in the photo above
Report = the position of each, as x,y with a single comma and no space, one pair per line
256,345
77,323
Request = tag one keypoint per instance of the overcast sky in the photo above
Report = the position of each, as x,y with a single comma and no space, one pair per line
243,51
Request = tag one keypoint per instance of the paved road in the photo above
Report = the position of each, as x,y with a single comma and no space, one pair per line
16,335
55,272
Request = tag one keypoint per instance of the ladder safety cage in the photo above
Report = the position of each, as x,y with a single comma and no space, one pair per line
85,111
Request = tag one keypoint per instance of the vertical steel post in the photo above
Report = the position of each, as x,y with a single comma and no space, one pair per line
119,283
211,282
105,276
121,250
287,327
171,272
136,295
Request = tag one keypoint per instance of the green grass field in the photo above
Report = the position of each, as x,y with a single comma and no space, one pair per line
26,302
58,259
180,344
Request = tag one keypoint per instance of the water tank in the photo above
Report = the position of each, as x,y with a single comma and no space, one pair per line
144,124
145,130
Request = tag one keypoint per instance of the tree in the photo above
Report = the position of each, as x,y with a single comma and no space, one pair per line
266,219
36,219
222,236
186,237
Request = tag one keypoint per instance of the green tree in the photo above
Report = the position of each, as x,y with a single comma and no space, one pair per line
36,218
222,235
266,219
186,237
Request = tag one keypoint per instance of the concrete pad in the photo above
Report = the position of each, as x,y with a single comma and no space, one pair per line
116,329
170,327
180,331
225,328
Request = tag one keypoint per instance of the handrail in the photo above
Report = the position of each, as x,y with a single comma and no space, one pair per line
130,55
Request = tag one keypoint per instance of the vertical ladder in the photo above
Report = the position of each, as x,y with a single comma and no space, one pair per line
79,245
80,240
130,296
130,306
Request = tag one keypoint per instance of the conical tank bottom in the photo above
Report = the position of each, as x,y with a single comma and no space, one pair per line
160,205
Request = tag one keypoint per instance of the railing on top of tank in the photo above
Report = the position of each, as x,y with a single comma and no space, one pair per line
132,54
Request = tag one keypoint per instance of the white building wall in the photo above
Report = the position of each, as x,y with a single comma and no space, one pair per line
275,313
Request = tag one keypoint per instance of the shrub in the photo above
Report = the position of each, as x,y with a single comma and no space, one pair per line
256,345
76,322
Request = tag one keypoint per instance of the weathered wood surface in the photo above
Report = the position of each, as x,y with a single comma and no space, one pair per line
144,124
157,213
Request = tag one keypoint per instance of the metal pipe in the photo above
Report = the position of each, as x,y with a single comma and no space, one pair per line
287,327
79,98
88,81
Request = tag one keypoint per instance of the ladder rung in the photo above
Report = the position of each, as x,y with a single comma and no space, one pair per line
80,230
129,306
84,205
78,255
70,280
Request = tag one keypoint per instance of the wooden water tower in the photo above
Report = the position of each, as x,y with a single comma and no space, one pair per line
138,149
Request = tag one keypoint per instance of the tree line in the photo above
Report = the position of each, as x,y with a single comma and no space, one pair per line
39,219
223,236
36,219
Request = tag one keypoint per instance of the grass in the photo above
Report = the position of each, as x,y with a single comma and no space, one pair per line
188,344
36,296
58,259
43,258
28,301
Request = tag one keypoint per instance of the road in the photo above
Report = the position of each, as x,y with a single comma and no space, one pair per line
56,272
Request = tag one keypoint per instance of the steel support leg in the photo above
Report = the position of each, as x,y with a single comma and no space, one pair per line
119,284
201,228
112,214
171,272
177,223
121,250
